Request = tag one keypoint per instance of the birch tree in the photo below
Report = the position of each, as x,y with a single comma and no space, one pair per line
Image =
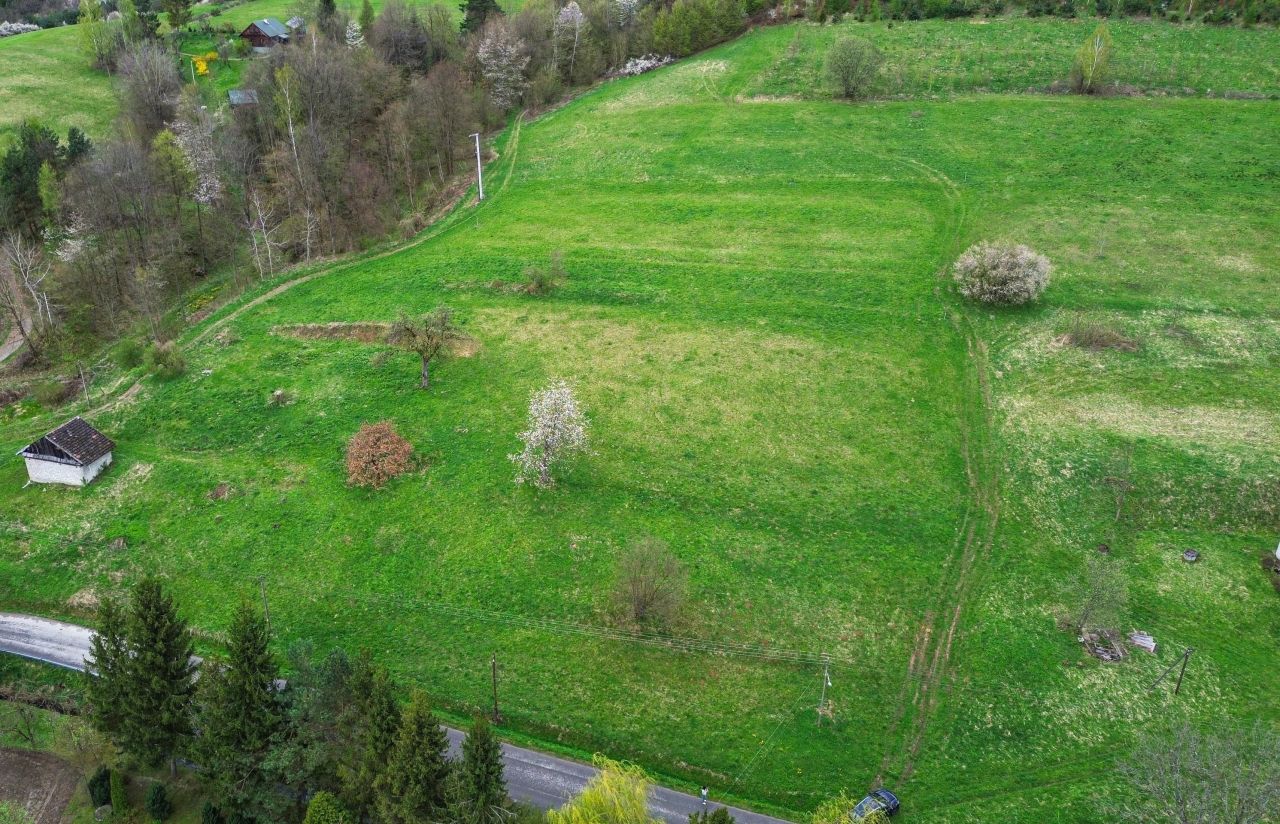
1090,66
557,431
569,29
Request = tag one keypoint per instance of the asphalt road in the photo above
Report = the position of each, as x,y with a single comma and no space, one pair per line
543,780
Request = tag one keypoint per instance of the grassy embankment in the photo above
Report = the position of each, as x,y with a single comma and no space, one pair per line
782,388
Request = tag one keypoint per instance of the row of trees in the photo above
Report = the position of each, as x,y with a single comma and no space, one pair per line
334,737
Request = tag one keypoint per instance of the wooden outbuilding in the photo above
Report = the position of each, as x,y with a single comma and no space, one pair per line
265,33
73,454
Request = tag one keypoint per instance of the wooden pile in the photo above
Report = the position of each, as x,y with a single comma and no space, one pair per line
1104,645
1142,641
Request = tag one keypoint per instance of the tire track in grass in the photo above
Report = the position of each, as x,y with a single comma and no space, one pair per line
931,653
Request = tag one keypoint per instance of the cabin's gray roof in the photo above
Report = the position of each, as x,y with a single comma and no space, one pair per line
242,97
74,442
272,27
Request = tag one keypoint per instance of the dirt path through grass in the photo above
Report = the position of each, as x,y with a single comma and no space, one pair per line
40,783
931,651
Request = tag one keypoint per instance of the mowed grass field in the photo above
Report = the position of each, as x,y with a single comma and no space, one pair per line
783,388
43,75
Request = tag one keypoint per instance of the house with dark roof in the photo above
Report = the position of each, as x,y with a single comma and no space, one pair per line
73,454
242,97
266,33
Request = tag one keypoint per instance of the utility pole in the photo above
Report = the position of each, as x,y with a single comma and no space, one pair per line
1186,655
826,682
497,714
266,611
479,169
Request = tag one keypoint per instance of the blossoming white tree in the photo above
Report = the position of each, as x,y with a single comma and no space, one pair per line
502,62
557,431
354,37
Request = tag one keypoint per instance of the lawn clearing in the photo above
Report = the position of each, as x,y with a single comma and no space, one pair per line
783,390
43,75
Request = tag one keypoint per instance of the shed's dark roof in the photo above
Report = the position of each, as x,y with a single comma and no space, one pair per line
271,27
74,442
242,97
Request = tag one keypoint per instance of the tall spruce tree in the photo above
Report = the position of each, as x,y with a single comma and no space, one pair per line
178,12
105,679
238,716
160,676
376,723
486,787
366,18
412,788
475,12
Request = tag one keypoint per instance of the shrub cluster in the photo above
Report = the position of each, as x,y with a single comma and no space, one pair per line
1001,274
100,787
690,26
852,65
376,454
159,807
165,361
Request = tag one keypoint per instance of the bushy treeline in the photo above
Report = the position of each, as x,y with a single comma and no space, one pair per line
333,743
357,129
1246,12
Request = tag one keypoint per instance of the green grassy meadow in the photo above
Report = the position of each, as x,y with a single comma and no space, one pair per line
783,387
42,74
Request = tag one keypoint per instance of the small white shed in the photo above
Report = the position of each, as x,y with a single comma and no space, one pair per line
73,454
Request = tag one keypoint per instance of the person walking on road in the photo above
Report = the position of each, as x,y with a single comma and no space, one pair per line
703,793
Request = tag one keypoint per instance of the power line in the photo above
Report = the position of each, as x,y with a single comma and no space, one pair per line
561,627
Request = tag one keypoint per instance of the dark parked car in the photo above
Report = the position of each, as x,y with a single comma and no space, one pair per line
880,800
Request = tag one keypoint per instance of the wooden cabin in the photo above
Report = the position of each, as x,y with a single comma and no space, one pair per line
265,33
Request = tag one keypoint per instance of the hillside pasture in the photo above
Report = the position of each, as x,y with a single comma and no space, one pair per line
43,75
784,389
944,58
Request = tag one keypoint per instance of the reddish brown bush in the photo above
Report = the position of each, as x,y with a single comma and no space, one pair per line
376,454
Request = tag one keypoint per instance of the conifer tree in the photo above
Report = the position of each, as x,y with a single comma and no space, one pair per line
475,12
375,723
160,677
366,17
412,788
239,715
178,12
486,787
105,685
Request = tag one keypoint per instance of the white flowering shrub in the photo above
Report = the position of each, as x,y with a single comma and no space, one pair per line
1001,274
557,431
647,63
10,29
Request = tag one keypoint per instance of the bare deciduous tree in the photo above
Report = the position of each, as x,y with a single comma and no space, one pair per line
1103,592
427,337
1190,777
651,584
30,268
557,430
262,227
149,87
